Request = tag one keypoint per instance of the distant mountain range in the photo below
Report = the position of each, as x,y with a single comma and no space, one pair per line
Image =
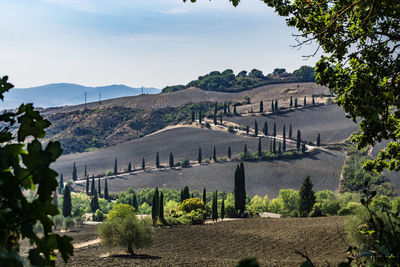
60,94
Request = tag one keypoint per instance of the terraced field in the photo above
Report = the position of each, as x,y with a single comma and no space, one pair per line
182,142
328,120
264,177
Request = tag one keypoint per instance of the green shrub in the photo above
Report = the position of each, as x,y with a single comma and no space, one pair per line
109,173
69,222
230,129
98,216
126,231
256,205
185,163
120,211
316,211
348,209
191,204
58,221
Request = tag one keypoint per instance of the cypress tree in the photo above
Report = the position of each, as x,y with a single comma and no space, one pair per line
94,202
276,106
220,119
99,186
290,131
223,209
85,173
307,197
261,106
225,107
214,154
213,208
234,109
255,128
229,152
313,99
280,148
247,129
171,160
143,164
61,184
259,151
74,173
305,101
284,138
161,208
272,106
291,101
182,199
135,203
303,148
204,196
199,157
129,167
106,196
193,116
274,132
158,160
274,146
200,115
93,188
298,140
245,150
155,206
239,189
270,145
215,113
265,128
295,103
115,166
87,185
229,108
67,206
318,140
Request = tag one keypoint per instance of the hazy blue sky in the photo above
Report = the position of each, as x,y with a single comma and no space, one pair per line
139,42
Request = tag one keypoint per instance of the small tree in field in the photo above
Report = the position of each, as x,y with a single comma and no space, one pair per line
214,154
157,160
318,140
229,152
143,164
199,156
67,206
106,189
222,209
115,167
255,128
125,230
171,160
265,128
129,167
261,106
87,185
74,173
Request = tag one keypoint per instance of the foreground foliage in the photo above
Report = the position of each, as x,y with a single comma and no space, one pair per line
24,165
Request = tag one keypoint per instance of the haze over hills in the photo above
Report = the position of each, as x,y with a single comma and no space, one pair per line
60,94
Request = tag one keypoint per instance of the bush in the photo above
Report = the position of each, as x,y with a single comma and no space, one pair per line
58,221
185,163
127,232
348,209
98,216
230,129
69,222
316,211
191,204
120,211
109,173
256,205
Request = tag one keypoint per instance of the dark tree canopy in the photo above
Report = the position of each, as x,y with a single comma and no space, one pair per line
307,197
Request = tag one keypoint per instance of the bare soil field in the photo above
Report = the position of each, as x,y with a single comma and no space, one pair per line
272,241
182,142
194,95
264,177
328,120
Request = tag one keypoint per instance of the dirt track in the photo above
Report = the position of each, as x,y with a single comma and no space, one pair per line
273,241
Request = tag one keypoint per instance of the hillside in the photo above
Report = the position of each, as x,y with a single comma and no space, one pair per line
60,94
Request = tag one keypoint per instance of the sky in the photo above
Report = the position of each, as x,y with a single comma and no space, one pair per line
151,43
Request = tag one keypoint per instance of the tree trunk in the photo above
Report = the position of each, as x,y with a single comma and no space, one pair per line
130,249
